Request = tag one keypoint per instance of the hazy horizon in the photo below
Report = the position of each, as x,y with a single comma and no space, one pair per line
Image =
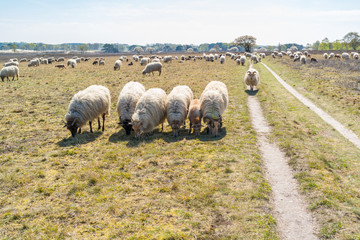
186,22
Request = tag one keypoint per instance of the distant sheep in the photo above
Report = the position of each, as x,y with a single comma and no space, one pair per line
303,59
128,98
150,111
34,62
222,59
62,66
152,67
345,56
44,61
194,116
167,59
71,62
331,55
254,59
144,61
326,56
238,61
356,56
23,60
280,55
11,64
242,60
177,106
213,102
101,62
85,106
135,58
252,78
9,71
60,59
273,55
95,62
313,60
117,65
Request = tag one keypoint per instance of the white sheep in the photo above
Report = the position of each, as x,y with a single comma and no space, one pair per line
345,56
85,106
128,98
252,78
9,71
101,62
326,56
117,65
213,102
331,55
11,64
44,61
144,61
238,61
242,60
303,59
167,59
222,59
34,62
155,60
152,67
135,57
254,59
71,62
150,111
177,106
262,55
356,56
60,59
280,55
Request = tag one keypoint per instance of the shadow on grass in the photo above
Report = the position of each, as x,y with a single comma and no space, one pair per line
204,137
82,138
252,93
147,138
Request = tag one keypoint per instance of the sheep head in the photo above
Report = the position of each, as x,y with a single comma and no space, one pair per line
126,124
72,126
251,73
138,128
196,125
175,126
213,125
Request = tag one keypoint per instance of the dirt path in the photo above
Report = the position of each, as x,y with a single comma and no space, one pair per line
348,134
293,220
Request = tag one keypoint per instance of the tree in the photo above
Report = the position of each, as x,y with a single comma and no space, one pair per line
14,47
352,39
83,47
110,48
150,49
246,42
138,50
324,45
204,47
316,45
283,47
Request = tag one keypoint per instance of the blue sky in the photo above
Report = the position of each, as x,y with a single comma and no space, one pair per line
182,22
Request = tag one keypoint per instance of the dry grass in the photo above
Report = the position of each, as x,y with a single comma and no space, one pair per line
109,185
326,165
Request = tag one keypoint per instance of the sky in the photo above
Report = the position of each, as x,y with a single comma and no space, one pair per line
179,22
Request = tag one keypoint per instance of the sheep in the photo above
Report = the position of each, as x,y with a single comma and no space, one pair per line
254,59
303,59
144,61
182,57
85,106
128,98
345,56
356,56
152,67
11,64
238,61
177,105
135,58
252,78
306,54
167,59
9,71
60,59
150,111
242,60
78,60
338,56
273,55
326,56
155,60
34,62
62,66
213,102
130,64
44,61
280,55
331,55
101,62
71,62
117,65
95,62
262,55
313,60
194,117
222,59
23,60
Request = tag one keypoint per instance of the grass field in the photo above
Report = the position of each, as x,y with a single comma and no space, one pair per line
109,185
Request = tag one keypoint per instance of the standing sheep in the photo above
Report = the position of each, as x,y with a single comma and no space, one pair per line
144,61
213,102
222,59
85,106
303,59
152,67
356,56
9,71
242,60
167,59
194,116
326,56
128,98
72,63
101,62
150,111
345,56
252,78
177,105
331,55
117,65
11,64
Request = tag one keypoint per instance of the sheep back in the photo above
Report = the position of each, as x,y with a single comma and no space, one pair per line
9,71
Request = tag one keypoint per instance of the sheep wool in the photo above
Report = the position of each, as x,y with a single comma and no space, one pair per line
152,67
252,78
72,63
242,60
144,61
150,111
222,59
303,59
9,71
345,56
194,116
128,98
177,106
11,64
117,65
86,105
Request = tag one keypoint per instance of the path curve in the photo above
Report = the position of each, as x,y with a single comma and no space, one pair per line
347,133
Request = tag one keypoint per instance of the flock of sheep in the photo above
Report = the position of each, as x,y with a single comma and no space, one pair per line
142,110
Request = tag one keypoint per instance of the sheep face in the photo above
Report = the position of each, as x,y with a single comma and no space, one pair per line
72,126
251,73
213,126
126,125
175,126
138,128
197,128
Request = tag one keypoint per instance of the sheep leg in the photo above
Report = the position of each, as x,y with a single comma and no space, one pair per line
103,127
153,73
190,128
207,130
159,73
99,124
162,127
90,123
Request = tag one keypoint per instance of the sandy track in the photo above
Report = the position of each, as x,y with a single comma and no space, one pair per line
348,134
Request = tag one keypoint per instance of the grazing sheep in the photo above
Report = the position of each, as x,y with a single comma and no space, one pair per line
44,61
238,61
303,59
95,62
152,67
9,71
117,65
252,78
313,60
130,64
194,117
326,56
222,59
34,62
280,55
144,61
23,60
135,58
254,59
85,106
242,60
155,60
11,64
356,56
296,59
331,55
338,56
62,66
60,59
71,62
101,62
213,102
345,56
150,111
167,59
128,98
182,57
273,55
306,54
262,55
177,105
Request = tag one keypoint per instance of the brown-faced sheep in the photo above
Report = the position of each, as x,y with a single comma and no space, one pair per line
194,117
